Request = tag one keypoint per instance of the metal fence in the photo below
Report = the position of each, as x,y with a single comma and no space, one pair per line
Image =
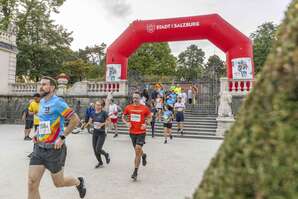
206,91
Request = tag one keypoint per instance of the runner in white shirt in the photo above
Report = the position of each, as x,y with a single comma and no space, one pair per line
183,96
159,107
113,115
179,108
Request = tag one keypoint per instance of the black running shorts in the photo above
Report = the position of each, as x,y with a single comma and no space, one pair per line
28,124
137,139
52,159
167,125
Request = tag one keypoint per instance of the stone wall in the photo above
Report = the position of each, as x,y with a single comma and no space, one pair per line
12,106
8,51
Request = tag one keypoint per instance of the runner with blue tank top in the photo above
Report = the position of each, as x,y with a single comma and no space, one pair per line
49,141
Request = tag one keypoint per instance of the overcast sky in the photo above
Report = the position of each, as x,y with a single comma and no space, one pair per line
97,21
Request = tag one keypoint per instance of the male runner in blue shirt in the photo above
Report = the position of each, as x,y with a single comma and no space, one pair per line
49,149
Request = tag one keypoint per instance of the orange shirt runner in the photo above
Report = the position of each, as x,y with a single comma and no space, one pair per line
136,117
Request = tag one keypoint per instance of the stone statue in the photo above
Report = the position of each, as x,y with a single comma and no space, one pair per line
12,28
224,109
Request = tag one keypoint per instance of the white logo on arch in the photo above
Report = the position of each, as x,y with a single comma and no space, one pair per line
150,28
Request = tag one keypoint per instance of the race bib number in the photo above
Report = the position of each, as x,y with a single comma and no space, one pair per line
44,128
97,125
166,117
135,118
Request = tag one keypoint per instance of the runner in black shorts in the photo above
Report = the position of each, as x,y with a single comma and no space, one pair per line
49,142
138,116
167,122
179,108
28,119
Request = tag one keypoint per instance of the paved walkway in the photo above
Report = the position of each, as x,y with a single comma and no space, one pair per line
174,170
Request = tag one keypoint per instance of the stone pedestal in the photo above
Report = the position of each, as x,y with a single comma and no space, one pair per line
225,117
223,124
62,80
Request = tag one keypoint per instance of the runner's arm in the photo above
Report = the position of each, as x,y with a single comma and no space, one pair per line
73,123
30,109
89,122
148,118
108,120
124,120
24,116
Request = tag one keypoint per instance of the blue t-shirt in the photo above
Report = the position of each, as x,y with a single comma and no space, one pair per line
89,112
167,116
52,114
170,100
173,96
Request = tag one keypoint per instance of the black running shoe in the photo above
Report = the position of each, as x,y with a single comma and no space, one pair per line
81,188
182,132
115,135
144,159
107,156
27,138
166,141
99,165
30,155
134,176
171,137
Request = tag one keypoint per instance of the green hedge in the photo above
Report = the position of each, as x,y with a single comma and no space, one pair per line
259,156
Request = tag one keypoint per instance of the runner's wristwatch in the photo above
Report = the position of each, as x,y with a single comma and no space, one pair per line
62,137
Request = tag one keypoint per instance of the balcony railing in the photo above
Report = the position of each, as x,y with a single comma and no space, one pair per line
85,88
23,88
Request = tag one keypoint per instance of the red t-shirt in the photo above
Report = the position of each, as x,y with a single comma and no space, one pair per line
136,116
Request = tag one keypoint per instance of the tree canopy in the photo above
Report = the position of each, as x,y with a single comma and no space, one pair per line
190,64
263,39
153,58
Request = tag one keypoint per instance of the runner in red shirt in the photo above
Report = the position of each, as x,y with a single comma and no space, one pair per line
138,116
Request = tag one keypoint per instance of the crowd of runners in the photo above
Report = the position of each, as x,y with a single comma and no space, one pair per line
48,113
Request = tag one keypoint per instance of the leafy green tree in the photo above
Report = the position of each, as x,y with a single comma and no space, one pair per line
153,59
215,67
190,64
258,158
95,56
8,9
263,39
77,69
42,45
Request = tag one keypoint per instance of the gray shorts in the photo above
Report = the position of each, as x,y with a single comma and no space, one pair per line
52,159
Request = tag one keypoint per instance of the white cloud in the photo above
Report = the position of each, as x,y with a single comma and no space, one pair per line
117,8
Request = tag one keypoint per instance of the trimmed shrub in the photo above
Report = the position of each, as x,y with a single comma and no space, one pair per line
259,156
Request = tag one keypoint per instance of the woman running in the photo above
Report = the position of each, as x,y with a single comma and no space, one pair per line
99,119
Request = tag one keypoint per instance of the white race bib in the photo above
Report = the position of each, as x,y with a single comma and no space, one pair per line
97,125
44,128
135,118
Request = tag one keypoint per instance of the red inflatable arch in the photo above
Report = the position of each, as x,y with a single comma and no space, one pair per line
237,46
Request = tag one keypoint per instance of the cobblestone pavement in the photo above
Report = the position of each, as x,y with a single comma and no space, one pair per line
173,171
